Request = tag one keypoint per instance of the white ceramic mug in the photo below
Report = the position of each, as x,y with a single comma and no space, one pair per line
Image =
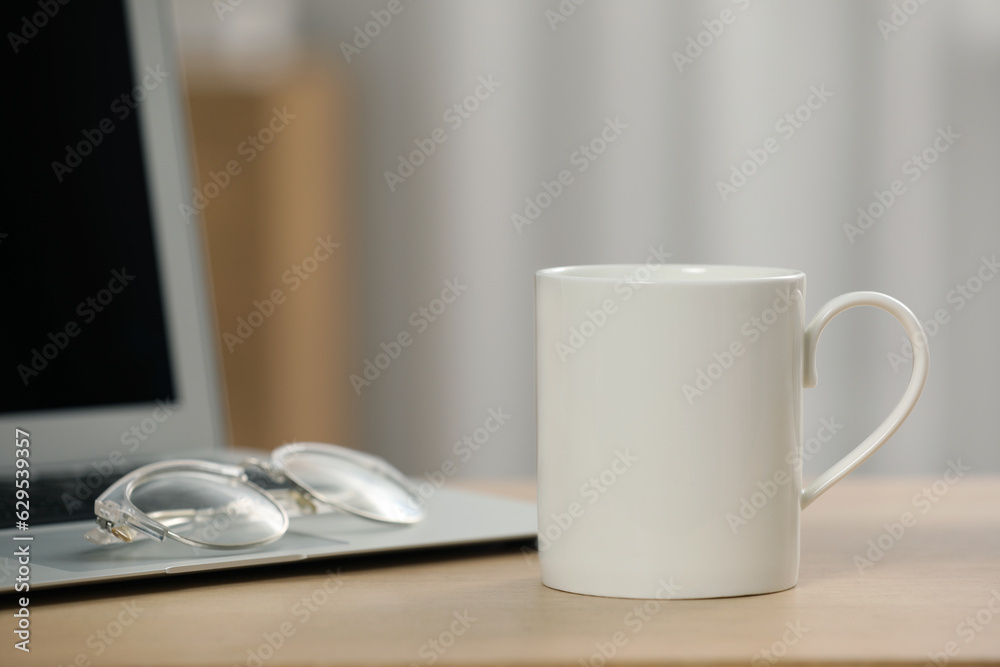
670,426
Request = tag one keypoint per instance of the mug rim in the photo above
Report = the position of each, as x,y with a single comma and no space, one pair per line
681,274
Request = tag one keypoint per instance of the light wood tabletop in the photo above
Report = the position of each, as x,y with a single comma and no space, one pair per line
894,571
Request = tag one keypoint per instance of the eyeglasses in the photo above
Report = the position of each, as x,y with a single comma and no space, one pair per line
220,506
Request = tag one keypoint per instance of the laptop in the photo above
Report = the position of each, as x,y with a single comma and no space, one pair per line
108,342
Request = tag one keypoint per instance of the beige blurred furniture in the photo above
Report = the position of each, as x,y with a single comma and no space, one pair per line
273,151
486,606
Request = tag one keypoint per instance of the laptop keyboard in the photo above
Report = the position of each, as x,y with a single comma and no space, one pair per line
58,498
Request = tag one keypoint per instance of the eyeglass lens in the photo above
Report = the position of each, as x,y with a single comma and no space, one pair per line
208,509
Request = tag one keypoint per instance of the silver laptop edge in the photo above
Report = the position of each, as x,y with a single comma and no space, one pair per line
59,556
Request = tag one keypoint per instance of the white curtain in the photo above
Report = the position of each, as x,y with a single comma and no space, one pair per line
865,87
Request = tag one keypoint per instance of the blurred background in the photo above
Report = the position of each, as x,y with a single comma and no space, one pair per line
856,141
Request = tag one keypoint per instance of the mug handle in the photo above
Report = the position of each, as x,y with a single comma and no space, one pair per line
918,376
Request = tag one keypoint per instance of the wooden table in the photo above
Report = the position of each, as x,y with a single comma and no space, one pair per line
921,595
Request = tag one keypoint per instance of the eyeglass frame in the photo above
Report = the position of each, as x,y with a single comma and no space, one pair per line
117,516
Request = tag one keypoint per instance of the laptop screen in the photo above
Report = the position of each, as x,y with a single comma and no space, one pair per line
84,317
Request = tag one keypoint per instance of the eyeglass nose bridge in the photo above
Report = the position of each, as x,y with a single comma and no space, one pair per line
267,467
304,501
